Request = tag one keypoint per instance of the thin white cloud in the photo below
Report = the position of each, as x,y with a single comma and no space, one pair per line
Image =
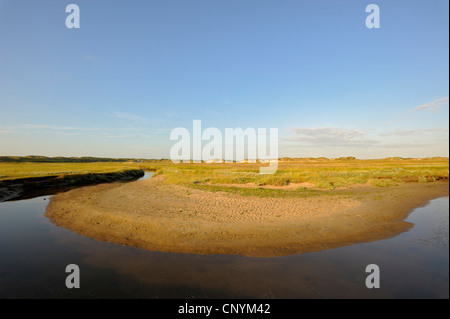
5,132
329,136
130,117
115,135
172,114
62,128
407,144
434,106
135,136
415,132
74,130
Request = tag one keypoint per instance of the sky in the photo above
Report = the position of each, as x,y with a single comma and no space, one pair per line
135,70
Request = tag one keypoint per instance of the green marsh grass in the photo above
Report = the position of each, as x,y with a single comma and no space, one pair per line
324,174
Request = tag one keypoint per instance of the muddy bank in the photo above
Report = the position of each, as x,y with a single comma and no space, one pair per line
36,186
154,215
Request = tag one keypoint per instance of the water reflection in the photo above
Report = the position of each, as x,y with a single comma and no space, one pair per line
34,254
38,192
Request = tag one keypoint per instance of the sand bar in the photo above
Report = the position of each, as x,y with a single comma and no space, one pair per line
158,216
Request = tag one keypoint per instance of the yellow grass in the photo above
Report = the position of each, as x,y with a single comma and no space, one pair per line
327,174
321,173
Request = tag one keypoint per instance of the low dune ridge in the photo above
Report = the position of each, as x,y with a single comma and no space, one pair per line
159,216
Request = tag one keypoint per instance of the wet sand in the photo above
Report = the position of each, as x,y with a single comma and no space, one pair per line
154,215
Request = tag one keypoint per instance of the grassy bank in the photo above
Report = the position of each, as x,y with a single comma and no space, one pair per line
303,174
11,171
24,180
294,177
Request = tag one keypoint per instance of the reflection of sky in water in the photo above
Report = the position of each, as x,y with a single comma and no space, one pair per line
432,229
34,254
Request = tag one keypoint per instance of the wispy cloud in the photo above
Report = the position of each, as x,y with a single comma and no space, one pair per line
172,114
415,132
62,128
406,144
130,117
109,135
104,132
329,136
76,130
133,136
434,106
6,131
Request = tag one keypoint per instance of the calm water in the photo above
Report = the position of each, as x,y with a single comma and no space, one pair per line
34,254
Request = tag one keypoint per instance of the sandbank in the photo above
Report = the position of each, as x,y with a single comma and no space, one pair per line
154,215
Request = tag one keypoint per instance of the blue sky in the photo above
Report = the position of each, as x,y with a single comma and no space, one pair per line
135,70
